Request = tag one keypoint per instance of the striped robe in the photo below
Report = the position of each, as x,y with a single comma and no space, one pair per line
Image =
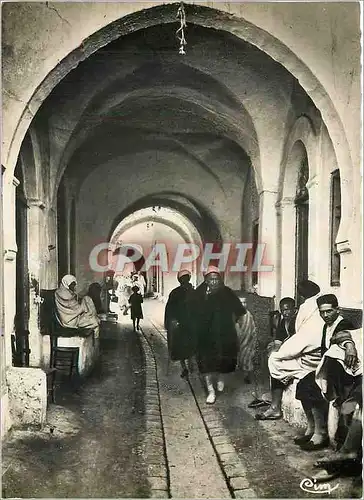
248,339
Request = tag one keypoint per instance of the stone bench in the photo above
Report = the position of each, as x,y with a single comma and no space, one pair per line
54,335
88,350
291,407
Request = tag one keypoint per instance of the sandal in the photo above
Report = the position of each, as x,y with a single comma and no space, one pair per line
311,446
268,415
259,405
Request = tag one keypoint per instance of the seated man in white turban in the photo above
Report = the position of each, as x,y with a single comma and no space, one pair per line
73,312
285,363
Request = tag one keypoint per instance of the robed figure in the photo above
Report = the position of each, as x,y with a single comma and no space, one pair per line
177,322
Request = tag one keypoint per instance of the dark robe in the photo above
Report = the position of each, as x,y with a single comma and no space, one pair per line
343,388
214,318
135,301
94,291
279,330
181,341
307,390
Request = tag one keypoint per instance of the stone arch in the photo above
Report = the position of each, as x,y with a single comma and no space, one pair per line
135,144
301,135
235,121
204,222
301,145
180,225
203,16
188,237
27,164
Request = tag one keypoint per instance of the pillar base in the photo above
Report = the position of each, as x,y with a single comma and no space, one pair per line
27,393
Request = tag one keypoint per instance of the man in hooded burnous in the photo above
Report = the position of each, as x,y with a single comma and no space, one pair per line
216,309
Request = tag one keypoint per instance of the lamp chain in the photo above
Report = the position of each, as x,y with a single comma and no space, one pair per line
180,32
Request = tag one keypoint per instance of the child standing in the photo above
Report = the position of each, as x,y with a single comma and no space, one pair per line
135,301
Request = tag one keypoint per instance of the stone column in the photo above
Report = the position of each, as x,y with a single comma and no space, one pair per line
10,251
267,279
315,263
67,220
286,219
36,243
50,265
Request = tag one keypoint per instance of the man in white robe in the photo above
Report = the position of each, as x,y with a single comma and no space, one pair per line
287,363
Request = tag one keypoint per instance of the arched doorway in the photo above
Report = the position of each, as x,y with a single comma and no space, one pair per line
158,231
293,217
302,223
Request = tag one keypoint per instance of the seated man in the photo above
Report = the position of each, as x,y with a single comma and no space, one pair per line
307,321
340,380
73,312
283,326
308,392
339,376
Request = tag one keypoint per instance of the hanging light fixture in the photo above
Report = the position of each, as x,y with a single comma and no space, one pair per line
180,32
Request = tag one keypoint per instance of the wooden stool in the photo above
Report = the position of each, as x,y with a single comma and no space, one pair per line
63,357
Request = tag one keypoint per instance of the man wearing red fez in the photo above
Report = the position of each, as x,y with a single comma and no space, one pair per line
216,310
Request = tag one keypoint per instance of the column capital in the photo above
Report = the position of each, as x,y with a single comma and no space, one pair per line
36,202
285,202
272,191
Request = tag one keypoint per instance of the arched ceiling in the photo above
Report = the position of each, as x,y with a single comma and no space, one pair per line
137,94
186,212
162,215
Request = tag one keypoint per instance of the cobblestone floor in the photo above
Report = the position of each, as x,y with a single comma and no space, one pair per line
91,446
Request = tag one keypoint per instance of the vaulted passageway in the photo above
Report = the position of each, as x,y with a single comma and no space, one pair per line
155,239
242,140
205,131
